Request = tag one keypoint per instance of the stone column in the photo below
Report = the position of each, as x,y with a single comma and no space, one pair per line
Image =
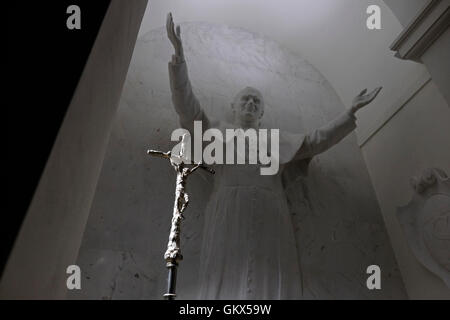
51,233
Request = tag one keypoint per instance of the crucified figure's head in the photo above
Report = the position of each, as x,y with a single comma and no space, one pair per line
248,108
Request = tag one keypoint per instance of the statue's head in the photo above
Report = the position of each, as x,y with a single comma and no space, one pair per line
248,108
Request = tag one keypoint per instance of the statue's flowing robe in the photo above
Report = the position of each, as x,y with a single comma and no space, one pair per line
248,246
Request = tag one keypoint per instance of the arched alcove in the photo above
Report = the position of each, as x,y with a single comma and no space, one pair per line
334,210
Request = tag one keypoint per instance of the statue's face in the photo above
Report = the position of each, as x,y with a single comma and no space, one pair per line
248,107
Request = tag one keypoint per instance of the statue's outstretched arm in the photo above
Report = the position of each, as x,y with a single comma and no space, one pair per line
323,138
329,135
183,98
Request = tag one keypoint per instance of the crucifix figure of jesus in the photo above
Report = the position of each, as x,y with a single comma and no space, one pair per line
173,253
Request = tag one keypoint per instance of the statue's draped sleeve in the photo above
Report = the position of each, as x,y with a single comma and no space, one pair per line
183,98
297,150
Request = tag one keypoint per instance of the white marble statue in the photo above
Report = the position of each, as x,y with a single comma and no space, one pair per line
249,248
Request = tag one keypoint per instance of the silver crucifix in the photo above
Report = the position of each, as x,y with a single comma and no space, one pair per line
173,253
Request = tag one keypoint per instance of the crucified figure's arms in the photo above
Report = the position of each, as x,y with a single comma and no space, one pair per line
322,139
201,166
165,155
183,98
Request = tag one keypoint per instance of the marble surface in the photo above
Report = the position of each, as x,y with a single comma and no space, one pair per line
425,221
337,220
410,142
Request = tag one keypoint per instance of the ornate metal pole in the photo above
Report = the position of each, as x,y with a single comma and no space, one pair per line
173,253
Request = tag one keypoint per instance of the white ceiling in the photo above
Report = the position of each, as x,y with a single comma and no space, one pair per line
331,34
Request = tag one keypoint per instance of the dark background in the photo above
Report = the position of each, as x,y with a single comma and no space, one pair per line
44,63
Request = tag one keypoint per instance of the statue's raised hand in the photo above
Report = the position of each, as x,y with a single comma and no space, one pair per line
364,99
174,37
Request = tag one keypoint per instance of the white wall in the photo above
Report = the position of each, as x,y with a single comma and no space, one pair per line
438,64
415,138
411,135
435,57
405,10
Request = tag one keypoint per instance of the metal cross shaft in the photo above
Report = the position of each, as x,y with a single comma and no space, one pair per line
173,255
